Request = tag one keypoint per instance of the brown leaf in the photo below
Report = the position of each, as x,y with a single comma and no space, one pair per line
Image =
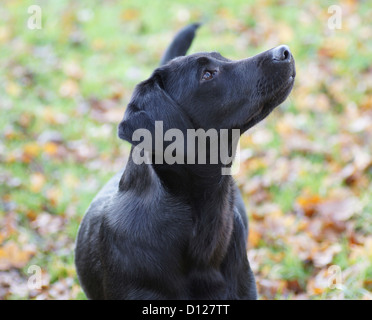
51,116
13,89
50,148
72,69
30,151
254,237
11,255
130,14
271,288
338,210
69,89
46,223
308,204
37,181
324,257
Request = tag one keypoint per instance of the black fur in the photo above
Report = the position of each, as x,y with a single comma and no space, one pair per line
159,231
180,44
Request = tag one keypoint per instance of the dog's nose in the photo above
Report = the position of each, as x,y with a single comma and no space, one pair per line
282,53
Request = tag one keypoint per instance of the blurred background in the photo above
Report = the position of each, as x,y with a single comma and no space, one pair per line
305,171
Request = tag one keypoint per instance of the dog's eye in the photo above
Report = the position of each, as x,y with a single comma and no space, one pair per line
208,75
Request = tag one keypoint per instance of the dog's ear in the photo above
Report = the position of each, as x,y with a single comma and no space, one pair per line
132,121
150,102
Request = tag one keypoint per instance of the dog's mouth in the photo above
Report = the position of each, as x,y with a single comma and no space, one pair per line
284,90
292,77
272,95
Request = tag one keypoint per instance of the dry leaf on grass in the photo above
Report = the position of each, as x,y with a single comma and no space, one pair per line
13,256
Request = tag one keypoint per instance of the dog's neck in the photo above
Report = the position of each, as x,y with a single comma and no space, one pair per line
207,194
181,180
210,196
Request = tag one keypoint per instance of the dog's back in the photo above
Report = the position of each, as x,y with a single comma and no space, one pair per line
88,245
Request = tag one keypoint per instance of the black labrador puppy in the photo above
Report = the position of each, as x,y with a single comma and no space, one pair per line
179,231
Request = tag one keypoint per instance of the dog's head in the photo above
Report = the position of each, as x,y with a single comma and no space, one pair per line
206,90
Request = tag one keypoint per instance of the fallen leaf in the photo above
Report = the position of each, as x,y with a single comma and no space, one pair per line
47,224
337,210
308,204
69,88
73,70
254,237
37,181
271,288
54,195
51,116
130,14
13,89
11,255
30,151
324,257
50,148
